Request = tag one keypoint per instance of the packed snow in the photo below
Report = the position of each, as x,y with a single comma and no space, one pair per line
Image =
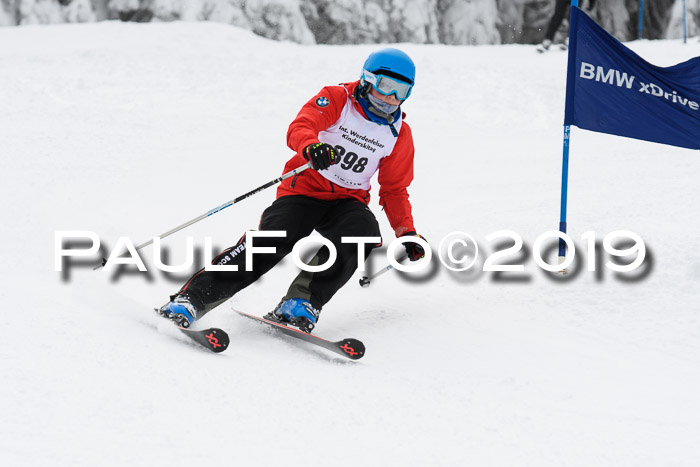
128,130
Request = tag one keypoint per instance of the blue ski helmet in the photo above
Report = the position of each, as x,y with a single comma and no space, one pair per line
392,63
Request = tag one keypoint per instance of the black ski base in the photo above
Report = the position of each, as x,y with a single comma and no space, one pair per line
349,348
213,339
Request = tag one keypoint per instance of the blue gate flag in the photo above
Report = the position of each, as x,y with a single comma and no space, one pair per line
610,89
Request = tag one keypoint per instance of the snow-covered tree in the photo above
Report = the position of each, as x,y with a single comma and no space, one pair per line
368,21
469,22
692,14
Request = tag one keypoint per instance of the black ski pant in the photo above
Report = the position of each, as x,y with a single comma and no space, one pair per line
560,9
299,216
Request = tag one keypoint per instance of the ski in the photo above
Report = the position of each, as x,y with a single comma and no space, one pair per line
213,339
350,348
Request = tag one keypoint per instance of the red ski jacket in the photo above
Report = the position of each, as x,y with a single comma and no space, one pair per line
395,170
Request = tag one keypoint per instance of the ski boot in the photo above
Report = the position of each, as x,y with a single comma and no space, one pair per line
564,45
297,312
544,46
180,311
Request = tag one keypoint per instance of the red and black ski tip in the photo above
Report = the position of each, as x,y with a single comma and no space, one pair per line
213,339
350,348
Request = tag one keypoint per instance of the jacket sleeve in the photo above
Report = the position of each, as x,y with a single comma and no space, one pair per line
395,175
318,114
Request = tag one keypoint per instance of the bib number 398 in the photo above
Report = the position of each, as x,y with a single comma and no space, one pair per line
351,161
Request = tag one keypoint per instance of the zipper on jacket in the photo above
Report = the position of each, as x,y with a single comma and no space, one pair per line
294,180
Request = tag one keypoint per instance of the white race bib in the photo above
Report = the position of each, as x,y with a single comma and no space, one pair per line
360,144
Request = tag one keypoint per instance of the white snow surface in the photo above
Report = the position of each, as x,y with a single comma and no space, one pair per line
131,129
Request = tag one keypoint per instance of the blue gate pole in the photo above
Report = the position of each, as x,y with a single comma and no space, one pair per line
564,192
565,166
685,29
641,18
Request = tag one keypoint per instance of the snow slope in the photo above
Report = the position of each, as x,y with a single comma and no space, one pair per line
132,129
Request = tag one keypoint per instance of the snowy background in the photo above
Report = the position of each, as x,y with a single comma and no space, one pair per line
129,129
454,22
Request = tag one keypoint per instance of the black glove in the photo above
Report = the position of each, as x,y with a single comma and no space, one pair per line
414,250
321,155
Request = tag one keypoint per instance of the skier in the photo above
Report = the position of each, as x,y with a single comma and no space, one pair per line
348,133
560,9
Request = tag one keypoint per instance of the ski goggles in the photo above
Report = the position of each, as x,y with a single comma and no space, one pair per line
387,85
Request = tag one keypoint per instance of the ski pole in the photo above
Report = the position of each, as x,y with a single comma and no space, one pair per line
291,173
364,282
